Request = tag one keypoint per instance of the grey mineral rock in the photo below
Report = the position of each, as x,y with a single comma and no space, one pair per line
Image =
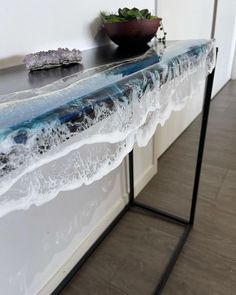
52,58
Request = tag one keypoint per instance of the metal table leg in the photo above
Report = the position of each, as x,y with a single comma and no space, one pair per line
186,223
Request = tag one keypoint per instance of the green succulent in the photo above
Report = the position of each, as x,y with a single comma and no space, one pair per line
126,14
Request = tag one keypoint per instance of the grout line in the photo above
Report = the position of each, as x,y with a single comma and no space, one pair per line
221,186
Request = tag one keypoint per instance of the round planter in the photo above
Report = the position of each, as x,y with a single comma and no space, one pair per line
132,33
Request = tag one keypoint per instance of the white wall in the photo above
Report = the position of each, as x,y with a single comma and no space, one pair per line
233,75
225,35
31,25
186,19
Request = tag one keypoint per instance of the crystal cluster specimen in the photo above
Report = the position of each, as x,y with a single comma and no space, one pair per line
52,58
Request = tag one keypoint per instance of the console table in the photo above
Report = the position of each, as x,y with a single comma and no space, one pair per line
115,97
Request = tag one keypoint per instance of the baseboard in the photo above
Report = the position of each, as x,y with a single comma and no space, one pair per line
143,179
92,236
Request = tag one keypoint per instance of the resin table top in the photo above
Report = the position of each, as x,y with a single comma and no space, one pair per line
18,78
113,99
85,88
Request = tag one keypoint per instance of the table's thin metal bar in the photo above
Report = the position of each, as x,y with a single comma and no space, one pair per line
131,178
171,263
206,108
162,214
187,224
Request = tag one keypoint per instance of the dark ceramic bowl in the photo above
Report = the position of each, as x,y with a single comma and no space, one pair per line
132,33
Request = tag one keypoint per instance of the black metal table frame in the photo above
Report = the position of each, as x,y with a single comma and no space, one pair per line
186,223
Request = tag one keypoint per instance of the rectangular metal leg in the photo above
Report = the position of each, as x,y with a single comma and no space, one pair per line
168,216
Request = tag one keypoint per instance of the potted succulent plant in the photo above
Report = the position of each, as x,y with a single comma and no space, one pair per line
131,27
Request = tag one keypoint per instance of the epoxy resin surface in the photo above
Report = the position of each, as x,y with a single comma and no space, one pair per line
113,105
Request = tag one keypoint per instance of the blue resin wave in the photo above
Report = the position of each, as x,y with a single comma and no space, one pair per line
119,103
